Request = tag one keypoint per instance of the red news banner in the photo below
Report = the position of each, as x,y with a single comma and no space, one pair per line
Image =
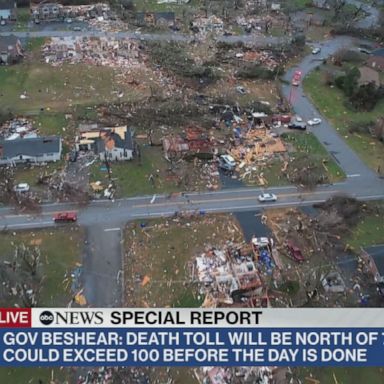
15,317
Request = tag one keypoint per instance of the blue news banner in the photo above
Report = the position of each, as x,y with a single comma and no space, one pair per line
192,347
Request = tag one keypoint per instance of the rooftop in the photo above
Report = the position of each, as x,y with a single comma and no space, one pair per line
30,147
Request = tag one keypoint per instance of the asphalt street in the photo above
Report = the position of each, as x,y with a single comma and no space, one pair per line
112,214
325,132
102,265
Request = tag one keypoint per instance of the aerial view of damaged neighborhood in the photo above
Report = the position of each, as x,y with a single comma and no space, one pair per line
192,153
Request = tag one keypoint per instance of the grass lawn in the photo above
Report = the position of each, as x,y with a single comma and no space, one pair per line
368,232
60,251
161,253
307,142
271,173
57,88
50,123
30,173
23,15
133,179
330,102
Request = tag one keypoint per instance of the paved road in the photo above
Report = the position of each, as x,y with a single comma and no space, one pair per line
95,33
108,214
326,134
102,263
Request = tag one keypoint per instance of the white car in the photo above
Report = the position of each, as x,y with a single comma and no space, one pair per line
298,118
264,197
315,51
227,162
314,121
22,187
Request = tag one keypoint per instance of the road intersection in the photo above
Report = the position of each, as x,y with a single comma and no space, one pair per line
104,220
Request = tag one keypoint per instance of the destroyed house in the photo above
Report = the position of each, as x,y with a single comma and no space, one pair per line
155,18
32,150
177,146
7,10
10,50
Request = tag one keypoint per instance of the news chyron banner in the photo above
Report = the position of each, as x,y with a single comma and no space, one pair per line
191,337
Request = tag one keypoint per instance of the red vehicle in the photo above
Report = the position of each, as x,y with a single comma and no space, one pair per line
294,252
284,119
65,217
296,78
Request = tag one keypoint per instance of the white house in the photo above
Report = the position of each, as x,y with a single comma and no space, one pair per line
33,150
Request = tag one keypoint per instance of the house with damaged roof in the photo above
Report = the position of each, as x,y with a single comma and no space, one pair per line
109,143
32,150
11,51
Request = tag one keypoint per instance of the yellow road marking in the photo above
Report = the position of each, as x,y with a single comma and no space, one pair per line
224,200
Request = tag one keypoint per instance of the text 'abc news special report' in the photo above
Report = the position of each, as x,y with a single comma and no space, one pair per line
191,337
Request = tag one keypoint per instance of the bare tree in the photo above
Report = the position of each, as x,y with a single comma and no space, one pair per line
29,258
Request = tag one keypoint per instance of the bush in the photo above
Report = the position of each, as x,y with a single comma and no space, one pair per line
361,127
366,97
348,82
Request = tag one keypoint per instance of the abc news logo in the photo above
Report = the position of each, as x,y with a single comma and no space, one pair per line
46,317
71,318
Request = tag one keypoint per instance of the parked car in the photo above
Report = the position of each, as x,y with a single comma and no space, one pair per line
364,50
264,197
296,78
22,187
316,50
294,252
65,217
297,125
227,162
314,121
76,29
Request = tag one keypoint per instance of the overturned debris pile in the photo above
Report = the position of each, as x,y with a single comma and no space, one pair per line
253,149
113,53
16,129
231,274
